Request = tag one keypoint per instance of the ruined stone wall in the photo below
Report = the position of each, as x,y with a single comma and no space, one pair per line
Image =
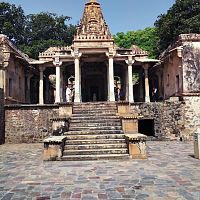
2,130
168,117
28,124
171,72
191,67
191,115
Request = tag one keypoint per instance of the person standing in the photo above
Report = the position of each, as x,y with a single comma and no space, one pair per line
68,94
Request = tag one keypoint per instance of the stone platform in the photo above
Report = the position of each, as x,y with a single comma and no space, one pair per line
169,173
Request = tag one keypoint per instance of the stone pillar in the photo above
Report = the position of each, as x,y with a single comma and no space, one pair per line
111,94
77,97
28,94
41,86
130,79
47,88
58,64
146,75
141,87
58,84
61,86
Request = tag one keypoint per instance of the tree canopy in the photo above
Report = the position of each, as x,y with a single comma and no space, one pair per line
145,39
182,17
12,22
36,32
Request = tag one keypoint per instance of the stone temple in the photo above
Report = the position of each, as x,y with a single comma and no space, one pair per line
111,90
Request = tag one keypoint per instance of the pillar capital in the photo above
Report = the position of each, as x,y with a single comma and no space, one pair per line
146,66
130,61
42,68
110,54
57,62
76,54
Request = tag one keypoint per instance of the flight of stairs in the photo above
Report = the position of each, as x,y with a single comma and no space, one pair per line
95,133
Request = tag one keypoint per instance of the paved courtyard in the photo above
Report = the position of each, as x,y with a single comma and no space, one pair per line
169,173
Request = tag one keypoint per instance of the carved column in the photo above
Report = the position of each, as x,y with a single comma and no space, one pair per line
130,79
111,94
58,64
77,97
146,75
41,86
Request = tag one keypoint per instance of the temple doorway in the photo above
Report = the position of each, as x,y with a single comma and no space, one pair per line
94,83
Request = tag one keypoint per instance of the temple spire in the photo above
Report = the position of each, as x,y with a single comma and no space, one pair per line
92,23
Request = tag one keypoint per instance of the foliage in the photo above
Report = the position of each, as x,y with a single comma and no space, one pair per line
182,17
145,39
37,46
12,22
36,32
136,78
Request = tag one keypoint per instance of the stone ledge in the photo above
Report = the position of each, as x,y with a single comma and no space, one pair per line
55,139
136,137
16,106
53,148
60,118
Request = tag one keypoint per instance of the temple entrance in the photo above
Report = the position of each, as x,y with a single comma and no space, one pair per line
94,82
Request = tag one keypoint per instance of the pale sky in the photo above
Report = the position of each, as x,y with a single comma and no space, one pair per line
120,15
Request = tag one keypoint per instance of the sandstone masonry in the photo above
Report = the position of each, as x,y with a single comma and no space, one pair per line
2,117
28,124
168,117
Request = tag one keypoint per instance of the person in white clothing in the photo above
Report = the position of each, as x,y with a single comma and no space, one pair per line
68,94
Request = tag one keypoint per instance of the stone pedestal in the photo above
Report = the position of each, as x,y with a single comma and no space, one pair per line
137,146
129,124
197,144
53,148
60,125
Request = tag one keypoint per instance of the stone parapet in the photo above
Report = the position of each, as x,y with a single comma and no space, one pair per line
137,145
29,123
168,117
53,148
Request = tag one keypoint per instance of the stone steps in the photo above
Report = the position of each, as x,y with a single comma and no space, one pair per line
91,128
94,141
95,133
95,157
95,137
96,151
93,117
96,146
97,121
95,124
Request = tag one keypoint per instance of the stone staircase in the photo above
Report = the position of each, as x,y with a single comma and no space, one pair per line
95,132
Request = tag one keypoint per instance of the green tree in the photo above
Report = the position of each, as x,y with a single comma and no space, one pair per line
182,17
145,39
44,30
36,32
12,22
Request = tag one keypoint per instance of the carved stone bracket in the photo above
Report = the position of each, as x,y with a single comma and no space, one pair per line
130,61
57,61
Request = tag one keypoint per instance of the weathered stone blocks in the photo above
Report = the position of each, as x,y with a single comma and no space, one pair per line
53,148
137,145
2,118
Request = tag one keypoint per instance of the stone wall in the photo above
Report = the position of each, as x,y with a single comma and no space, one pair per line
168,117
28,124
2,122
191,115
191,67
